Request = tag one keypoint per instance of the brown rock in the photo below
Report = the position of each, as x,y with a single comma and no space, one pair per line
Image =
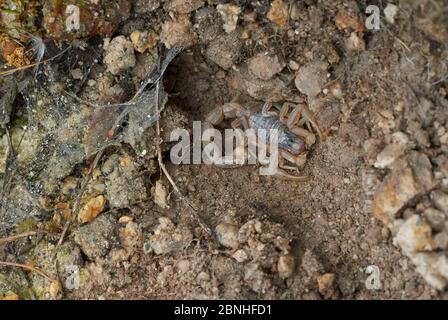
119,55
435,218
414,235
131,236
265,66
311,78
441,240
286,266
279,13
345,20
91,209
440,200
178,33
229,13
355,42
224,50
227,234
143,40
326,284
95,239
403,184
274,90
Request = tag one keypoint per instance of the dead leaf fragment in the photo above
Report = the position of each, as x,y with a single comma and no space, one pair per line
144,40
278,13
55,289
9,295
345,21
161,195
91,209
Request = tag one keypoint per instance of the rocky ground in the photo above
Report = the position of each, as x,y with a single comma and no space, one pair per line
79,148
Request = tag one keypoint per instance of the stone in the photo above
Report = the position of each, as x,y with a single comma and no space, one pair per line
435,218
168,238
224,50
68,257
229,13
293,65
265,66
207,24
355,42
390,12
286,266
440,240
279,13
161,195
178,33
393,151
227,234
411,178
95,238
143,41
326,284
119,55
240,255
413,235
131,236
311,78
124,187
274,90
440,200
295,12
427,265
395,192
256,279
310,264
345,20
91,209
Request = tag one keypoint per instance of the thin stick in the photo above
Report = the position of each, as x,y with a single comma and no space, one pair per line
26,267
8,72
16,237
10,157
193,210
79,197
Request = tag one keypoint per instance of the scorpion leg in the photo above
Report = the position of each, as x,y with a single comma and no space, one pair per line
299,115
281,173
309,137
221,113
240,122
298,160
283,115
266,110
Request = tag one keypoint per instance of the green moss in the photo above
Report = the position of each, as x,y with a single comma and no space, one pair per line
26,294
20,122
27,225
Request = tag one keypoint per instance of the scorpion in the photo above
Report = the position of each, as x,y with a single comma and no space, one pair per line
293,139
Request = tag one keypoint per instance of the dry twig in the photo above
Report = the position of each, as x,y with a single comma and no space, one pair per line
12,71
193,210
16,237
79,197
27,267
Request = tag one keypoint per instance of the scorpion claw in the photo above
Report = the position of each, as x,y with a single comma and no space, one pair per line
279,173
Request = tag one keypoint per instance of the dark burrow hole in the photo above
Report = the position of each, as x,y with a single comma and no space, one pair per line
192,84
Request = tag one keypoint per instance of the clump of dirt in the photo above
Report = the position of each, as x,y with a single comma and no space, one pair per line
79,149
